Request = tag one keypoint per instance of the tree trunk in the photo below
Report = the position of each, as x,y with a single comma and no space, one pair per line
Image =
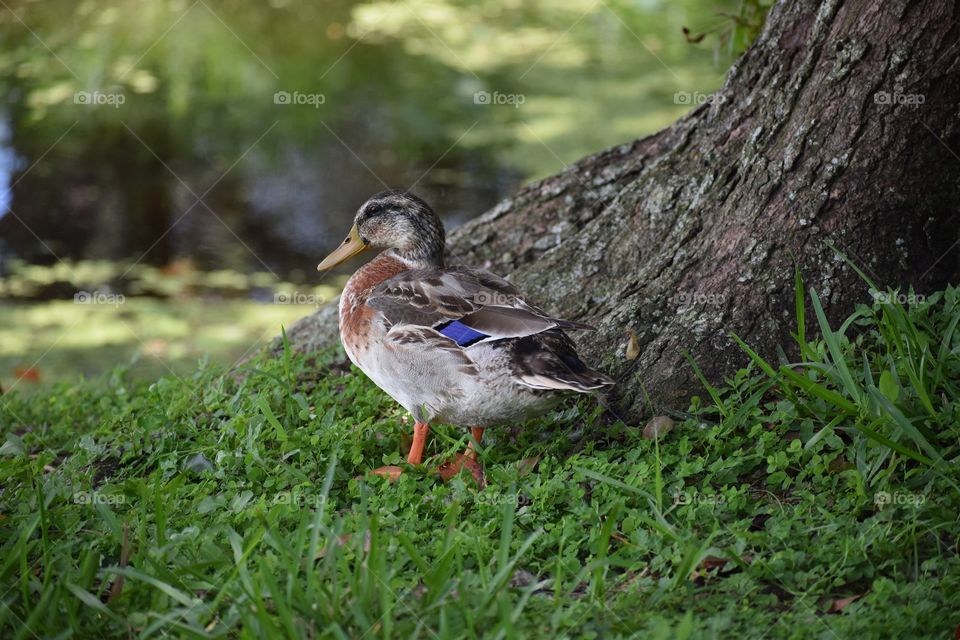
837,130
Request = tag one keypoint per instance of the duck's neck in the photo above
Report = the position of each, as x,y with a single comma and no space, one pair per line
418,257
415,260
364,279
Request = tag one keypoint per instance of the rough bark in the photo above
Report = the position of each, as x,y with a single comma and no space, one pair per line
692,233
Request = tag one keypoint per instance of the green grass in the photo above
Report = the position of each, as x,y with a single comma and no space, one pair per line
220,506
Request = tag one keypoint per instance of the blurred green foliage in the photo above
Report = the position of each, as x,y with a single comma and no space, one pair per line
594,73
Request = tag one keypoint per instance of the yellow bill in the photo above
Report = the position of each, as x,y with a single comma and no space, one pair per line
350,247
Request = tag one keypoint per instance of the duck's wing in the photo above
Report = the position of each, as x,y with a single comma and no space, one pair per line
457,308
469,306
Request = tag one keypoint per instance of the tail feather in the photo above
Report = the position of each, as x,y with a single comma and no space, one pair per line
579,383
573,324
548,360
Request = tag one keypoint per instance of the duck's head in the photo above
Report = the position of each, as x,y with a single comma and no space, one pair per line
398,221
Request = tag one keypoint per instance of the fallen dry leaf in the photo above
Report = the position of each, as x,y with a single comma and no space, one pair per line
716,562
838,605
30,374
527,465
712,562
658,426
633,346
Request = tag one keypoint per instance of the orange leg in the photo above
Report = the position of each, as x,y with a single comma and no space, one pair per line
477,437
420,432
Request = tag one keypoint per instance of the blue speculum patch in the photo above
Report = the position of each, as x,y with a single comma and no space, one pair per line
461,333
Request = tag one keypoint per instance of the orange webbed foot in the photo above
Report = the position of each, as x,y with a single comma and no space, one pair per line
448,469
391,472
420,432
458,463
468,460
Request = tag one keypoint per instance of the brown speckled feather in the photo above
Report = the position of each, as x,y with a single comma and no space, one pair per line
478,299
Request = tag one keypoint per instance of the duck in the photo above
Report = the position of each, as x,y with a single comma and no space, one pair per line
451,344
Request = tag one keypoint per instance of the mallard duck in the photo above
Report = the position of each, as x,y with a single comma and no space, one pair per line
449,343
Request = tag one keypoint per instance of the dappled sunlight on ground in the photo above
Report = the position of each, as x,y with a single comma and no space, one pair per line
60,340
80,319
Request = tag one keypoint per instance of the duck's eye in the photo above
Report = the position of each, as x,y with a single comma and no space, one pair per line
374,208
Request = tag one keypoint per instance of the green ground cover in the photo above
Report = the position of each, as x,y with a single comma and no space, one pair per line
818,499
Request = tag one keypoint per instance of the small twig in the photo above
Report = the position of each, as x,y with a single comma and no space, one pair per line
117,588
